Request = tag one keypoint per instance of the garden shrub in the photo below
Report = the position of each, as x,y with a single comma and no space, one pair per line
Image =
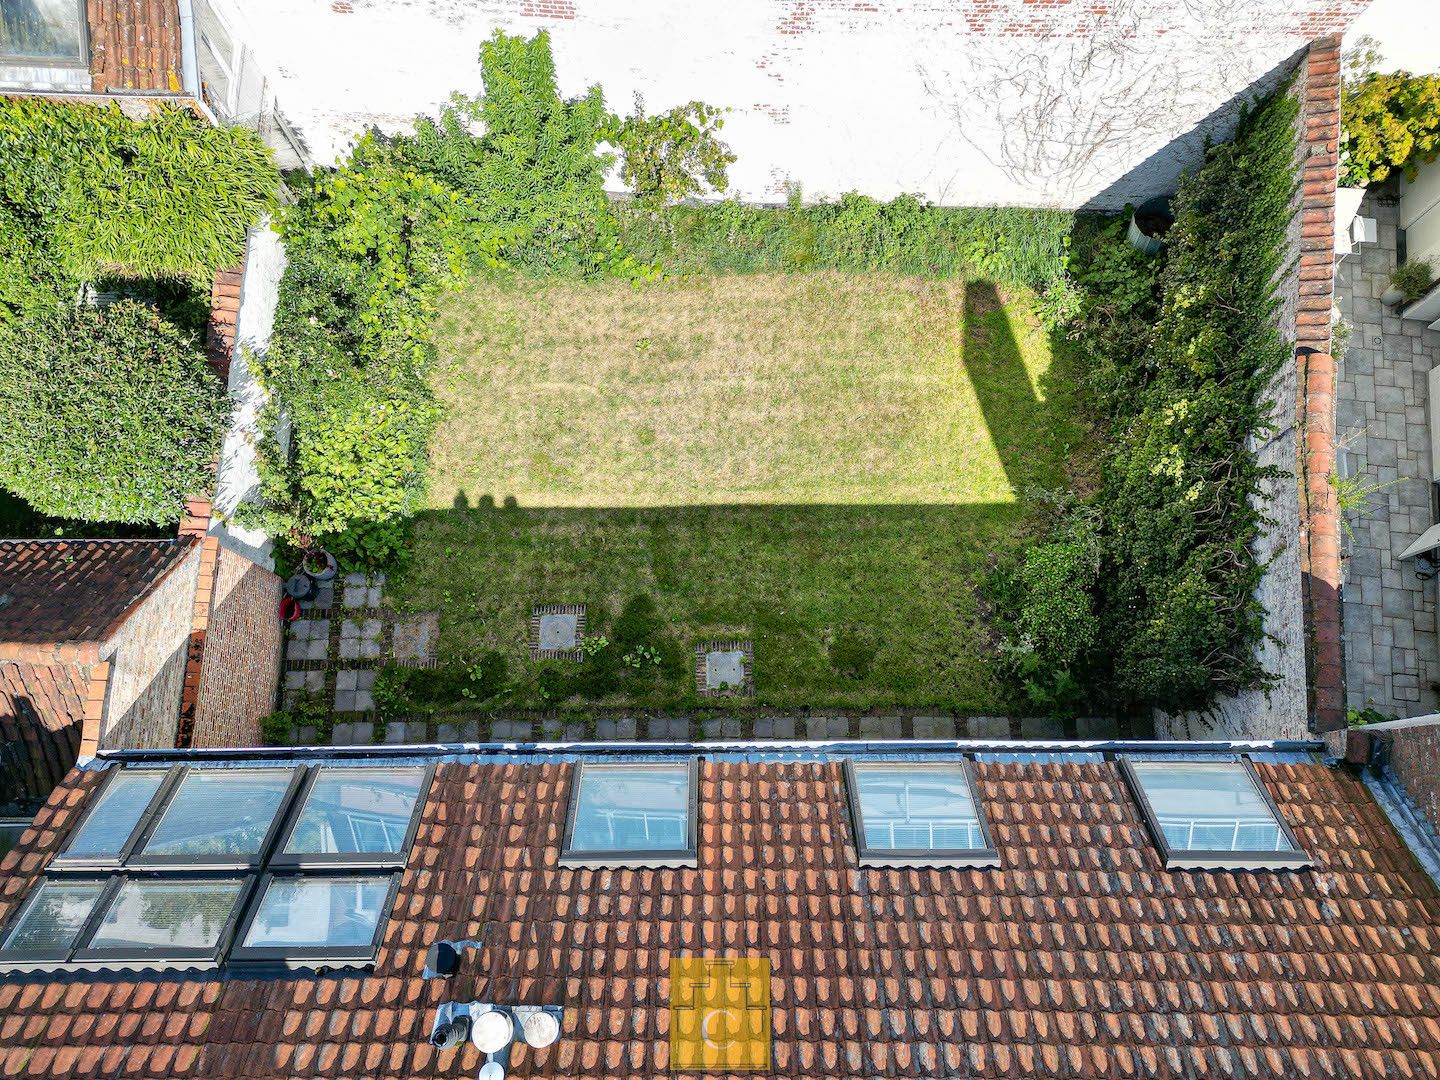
371,245
1012,246
1413,278
1390,123
678,153
1181,364
167,196
106,413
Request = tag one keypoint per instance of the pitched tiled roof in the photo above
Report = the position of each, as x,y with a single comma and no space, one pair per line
42,707
77,590
1079,957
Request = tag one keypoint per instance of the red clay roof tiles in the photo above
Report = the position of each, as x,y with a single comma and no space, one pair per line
42,707
65,591
1079,957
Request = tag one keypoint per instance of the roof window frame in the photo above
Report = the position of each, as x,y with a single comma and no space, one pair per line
73,63
255,876
866,856
311,955
63,860
1208,859
634,858
341,860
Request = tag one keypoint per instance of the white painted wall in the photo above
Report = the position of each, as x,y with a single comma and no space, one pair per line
976,102
1420,214
237,476
1407,31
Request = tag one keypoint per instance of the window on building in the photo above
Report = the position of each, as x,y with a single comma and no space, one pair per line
632,815
1211,815
48,33
210,865
917,813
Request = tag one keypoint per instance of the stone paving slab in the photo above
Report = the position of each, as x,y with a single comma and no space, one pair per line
1390,639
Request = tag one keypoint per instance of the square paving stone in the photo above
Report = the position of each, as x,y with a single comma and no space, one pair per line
556,631
724,670
306,650
415,637
559,632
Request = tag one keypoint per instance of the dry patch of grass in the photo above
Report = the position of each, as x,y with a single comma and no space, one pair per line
827,464
825,388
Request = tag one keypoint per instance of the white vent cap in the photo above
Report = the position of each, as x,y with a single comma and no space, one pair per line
540,1029
491,1031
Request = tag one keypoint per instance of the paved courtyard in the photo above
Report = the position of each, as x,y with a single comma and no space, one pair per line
1389,615
343,635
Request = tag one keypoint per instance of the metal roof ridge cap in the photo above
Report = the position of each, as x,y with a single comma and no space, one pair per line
778,746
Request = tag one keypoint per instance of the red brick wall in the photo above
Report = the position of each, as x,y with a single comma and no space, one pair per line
134,45
240,665
1320,519
1415,760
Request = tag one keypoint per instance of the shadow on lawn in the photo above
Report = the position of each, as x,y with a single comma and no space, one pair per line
902,581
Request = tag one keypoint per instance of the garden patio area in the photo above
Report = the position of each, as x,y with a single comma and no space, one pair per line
825,466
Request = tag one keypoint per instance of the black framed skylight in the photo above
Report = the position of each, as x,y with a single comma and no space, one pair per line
191,865
640,814
1211,815
913,813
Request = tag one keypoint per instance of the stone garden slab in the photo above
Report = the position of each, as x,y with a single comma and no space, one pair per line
724,668
556,631
415,638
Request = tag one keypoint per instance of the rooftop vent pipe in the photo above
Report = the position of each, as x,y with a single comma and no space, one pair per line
493,1028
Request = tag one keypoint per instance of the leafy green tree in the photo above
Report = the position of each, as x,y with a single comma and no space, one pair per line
106,414
1391,122
672,155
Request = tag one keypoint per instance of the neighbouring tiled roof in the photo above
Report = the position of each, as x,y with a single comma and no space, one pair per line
64,591
42,708
1078,957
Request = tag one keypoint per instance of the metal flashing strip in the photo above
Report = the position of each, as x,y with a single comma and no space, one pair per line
1020,750
1417,833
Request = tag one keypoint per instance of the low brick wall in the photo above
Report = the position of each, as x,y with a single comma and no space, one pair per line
240,664
1415,761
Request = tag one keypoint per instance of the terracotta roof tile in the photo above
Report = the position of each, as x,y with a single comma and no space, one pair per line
69,591
1078,957
42,708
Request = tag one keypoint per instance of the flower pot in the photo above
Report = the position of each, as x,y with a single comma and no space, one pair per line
1149,223
301,587
1392,296
320,564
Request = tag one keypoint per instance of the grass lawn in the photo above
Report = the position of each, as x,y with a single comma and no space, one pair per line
827,464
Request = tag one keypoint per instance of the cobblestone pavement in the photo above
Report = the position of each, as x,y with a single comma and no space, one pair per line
1391,660
343,635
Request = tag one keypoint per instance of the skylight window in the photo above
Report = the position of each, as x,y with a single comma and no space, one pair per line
917,814
167,864
218,815
1211,814
632,815
331,916
350,812
48,925
105,832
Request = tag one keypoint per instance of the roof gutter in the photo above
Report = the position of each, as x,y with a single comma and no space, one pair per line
767,748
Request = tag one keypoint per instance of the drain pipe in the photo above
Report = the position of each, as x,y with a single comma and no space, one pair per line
189,60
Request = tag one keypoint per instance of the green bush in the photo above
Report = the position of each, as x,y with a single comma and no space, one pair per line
167,196
1181,364
676,154
1413,278
107,414
857,233
1390,123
